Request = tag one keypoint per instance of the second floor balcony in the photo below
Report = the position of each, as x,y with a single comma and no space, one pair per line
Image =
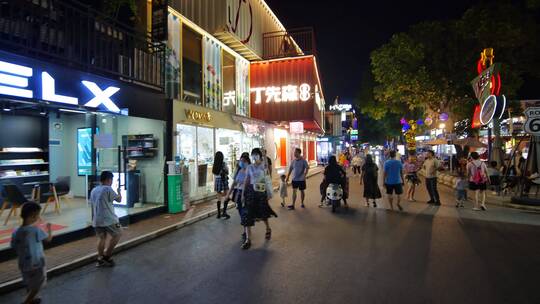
73,34
290,43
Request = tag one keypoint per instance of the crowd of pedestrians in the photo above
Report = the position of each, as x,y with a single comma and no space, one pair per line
251,189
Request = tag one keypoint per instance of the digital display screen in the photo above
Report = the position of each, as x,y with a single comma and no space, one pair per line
84,151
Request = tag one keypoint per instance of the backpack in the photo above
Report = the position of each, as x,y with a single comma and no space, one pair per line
478,176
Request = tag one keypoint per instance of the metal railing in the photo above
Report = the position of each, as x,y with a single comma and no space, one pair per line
73,34
291,43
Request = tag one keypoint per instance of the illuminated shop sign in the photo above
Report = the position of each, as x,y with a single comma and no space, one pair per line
493,106
341,107
287,93
229,98
296,127
14,81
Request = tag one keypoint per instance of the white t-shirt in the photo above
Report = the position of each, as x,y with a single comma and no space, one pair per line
27,241
431,166
256,174
102,198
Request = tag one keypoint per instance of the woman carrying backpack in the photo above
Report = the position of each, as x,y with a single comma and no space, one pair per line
478,179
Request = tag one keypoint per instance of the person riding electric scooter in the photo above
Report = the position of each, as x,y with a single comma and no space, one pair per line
335,177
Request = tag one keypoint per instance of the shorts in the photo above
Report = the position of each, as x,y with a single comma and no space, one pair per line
299,185
397,188
461,195
35,279
474,187
112,230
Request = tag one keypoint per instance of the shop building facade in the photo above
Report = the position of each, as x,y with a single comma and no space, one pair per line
208,78
69,112
288,92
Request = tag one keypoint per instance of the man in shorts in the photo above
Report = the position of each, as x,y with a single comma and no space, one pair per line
393,179
105,221
299,169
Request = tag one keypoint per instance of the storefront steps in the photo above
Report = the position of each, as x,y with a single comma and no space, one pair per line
448,180
80,252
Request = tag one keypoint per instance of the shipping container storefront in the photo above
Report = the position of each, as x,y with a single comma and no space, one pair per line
61,129
287,92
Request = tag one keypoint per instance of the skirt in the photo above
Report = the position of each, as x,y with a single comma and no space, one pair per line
221,184
371,188
256,207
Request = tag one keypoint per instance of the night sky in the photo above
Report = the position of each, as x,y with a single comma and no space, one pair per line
348,31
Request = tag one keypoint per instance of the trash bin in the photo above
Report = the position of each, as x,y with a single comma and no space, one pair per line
175,195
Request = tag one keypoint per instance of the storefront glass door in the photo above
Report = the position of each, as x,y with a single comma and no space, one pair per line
205,159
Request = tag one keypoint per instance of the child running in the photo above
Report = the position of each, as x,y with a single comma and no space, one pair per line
27,243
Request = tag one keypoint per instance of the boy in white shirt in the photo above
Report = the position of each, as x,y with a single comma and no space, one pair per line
104,220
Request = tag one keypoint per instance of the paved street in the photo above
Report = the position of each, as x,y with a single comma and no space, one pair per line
360,255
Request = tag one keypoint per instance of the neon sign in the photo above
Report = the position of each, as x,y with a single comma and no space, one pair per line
287,93
14,82
341,107
229,98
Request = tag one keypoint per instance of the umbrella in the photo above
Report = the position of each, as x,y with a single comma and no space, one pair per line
471,142
533,158
435,142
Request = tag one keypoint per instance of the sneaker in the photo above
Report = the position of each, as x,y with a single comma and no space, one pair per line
100,262
483,208
290,207
457,205
109,261
437,204
476,209
246,244
367,204
374,204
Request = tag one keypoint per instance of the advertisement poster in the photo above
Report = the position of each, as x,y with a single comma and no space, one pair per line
212,74
242,86
84,151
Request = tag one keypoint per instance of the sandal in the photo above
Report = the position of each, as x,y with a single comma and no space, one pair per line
268,234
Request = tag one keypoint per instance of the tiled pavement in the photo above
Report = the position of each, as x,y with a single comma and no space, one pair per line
80,250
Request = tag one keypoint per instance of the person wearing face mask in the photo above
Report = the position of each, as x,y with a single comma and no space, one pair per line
238,187
256,196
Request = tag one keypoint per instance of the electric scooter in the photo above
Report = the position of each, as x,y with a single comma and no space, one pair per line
334,195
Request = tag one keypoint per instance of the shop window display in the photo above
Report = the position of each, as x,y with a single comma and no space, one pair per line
229,143
61,149
191,66
229,83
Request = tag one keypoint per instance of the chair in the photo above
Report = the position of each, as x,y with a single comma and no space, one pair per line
63,186
47,194
14,197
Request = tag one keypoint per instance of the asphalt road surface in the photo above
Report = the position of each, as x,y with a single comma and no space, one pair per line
361,255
